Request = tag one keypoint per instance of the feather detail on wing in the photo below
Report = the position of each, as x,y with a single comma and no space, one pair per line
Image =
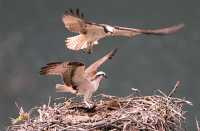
92,69
74,74
122,31
131,32
54,68
77,42
90,32
73,21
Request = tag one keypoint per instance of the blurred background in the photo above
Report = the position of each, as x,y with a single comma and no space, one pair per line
32,34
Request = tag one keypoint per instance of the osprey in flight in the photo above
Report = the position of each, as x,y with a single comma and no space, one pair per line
78,79
90,33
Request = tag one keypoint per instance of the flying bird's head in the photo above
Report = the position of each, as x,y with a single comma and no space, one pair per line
101,74
108,29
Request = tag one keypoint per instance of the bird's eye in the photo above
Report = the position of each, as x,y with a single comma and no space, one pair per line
109,29
98,75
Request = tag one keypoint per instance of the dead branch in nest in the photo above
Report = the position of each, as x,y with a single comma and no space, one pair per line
134,113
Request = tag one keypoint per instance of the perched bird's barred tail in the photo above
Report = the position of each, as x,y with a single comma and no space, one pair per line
49,69
64,88
60,88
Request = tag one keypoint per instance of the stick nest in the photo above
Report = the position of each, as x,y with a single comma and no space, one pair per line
134,113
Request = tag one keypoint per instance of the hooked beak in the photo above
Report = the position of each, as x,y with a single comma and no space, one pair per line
105,76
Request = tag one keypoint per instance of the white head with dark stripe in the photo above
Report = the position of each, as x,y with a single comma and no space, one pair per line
108,29
101,74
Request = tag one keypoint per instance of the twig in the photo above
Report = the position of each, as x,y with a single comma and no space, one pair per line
174,89
162,93
49,102
197,124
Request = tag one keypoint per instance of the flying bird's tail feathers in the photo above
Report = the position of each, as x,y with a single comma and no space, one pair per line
49,69
76,42
64,88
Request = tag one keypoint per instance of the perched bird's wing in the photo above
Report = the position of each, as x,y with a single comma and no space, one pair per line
92,69
72,72
75,73
54,68
131,32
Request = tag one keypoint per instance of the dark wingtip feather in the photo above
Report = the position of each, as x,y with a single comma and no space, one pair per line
53,63
77,12
82,15
66,12
76,63
113,52
42,73
71,10
44,70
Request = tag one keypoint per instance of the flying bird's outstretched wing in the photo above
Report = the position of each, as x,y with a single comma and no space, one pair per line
90,33
92,69
131,32
74,21
72,72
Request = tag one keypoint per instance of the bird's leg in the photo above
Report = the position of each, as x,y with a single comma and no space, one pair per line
87,101
87,104
89,48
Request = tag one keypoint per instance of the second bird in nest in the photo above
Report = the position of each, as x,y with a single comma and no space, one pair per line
77,78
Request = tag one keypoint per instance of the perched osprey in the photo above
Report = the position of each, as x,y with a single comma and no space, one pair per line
78,79
90,33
